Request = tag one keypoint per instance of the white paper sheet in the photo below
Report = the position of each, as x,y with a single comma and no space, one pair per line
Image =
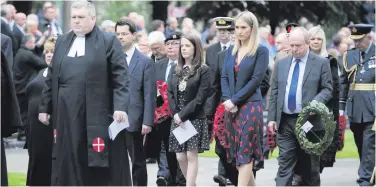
116,127
307,126
184,134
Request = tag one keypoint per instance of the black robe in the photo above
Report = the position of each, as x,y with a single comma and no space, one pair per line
10,113
40,137
81,93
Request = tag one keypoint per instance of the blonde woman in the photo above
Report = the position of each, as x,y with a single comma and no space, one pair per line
244,68
40,137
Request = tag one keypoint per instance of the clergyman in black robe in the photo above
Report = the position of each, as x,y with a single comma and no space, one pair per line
85,91
10,113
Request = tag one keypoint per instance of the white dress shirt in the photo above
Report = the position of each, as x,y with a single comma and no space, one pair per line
302,65
130,53
170,62
222,45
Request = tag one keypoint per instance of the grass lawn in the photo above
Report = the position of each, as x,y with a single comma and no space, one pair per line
349,151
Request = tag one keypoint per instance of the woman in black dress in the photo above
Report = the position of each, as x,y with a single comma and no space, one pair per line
317,44
40,136
188,90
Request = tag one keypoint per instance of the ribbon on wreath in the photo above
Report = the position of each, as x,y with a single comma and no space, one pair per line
342,129
162,111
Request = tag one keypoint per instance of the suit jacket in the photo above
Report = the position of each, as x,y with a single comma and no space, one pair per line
25,68
161,68
317,84
196,93
18,34
211,54
252,70
6,47
10,113
142,91
5,29
360,104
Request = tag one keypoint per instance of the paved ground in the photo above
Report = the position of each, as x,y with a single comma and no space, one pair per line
344,172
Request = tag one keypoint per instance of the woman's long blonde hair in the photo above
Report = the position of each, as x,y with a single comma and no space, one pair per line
254,40
50,44
317,30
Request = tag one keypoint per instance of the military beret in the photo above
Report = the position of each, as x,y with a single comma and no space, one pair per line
174,36
291,26
358,31
224,23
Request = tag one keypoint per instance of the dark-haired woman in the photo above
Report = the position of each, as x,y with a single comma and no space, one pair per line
188,90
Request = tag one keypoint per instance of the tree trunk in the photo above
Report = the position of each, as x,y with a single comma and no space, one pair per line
159,10
273,15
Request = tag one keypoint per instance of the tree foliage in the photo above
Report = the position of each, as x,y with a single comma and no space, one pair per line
326,13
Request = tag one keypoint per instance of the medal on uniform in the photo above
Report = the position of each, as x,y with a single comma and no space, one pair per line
362,71
371,63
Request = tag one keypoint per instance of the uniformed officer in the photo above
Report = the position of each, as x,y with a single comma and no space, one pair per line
224,25
358,92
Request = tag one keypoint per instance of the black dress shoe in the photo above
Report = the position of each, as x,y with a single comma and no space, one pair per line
221,180
161,181
228,182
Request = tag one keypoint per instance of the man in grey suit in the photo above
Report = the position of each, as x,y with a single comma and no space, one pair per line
298,79
142,99
6,47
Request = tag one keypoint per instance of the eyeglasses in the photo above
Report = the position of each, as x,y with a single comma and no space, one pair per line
175,44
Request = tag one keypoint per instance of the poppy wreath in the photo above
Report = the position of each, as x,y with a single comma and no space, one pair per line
329,126
218,123
163,112
342,130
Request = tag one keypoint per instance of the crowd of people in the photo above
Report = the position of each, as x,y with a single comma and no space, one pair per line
64,89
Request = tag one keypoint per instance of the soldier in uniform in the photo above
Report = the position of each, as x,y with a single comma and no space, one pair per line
358,93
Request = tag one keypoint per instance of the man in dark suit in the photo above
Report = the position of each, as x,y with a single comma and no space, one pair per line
142,99
298,79
169,172
358,93
19,26
49,22
6,17
6,47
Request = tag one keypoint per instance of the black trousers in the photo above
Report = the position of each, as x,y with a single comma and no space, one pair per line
290,152
151,144
365,142
134,141
4,171
168,166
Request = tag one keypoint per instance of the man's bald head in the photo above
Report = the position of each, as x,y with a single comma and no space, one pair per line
281,42
299,39
20,19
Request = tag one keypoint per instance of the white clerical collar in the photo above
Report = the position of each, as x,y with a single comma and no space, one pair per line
78,47
130,52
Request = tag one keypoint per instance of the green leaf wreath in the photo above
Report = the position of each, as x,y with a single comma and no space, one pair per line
329,125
